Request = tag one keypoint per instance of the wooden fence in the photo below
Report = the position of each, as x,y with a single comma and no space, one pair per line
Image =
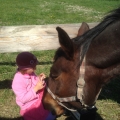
34,37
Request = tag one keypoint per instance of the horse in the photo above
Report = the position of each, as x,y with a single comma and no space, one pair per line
99,49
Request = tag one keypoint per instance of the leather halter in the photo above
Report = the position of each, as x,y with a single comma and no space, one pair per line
60,100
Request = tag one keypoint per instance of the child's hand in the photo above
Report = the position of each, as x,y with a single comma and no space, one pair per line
42,77
41,82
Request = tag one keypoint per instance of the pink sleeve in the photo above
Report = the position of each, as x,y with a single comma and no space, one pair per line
19,88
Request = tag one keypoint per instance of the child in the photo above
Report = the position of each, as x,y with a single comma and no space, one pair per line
29,88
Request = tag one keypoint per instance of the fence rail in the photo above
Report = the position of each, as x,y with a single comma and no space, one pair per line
34,37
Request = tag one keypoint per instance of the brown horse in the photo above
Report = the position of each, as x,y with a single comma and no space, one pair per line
99,47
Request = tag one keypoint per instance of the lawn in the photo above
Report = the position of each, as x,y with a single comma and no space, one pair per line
39,12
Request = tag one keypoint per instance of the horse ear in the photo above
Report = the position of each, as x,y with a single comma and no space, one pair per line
83,28
65,42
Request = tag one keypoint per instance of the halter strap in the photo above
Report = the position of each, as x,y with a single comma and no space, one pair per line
66,99
81,82
60,100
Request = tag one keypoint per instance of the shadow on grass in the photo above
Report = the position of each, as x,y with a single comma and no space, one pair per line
90,115
98,117
18,118
5,84
111,91
14,64
8,63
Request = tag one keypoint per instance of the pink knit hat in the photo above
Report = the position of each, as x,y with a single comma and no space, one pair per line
26,60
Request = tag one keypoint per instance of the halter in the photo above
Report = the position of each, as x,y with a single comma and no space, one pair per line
60,100
79,97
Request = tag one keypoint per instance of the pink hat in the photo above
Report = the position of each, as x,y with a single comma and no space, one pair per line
26,60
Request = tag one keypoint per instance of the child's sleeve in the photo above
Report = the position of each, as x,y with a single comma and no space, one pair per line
20,89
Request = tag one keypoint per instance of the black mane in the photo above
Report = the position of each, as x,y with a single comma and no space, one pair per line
85,40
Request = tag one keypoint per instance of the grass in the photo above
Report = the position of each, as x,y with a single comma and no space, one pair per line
39,12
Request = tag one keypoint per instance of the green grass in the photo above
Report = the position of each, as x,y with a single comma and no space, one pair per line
39,12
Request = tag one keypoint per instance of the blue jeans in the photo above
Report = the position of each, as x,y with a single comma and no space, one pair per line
51,117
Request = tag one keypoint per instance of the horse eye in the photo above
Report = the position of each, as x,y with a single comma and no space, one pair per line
53,76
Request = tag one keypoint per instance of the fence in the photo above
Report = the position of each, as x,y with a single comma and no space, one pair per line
34,37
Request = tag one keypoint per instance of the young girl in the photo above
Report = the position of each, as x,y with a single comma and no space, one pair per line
29,88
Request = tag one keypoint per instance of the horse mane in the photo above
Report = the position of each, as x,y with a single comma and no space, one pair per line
85,40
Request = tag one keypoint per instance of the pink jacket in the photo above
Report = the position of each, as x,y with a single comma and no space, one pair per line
22,86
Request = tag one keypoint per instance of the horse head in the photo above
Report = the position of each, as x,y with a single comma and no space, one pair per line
64,74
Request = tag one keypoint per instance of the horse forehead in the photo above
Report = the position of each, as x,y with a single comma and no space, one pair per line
62,62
